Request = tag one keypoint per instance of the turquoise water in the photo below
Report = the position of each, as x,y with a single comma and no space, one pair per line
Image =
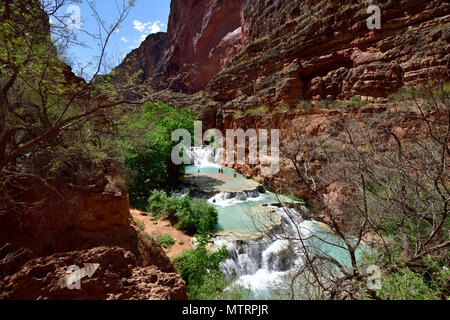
327,243
238,216
256,263
246,217
194,169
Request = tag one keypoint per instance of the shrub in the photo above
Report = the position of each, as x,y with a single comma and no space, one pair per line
140,225
329,104
405,285
156,202
259,110
165,240
357,102
282,107
304,105
186,214
238,114
200,214
201,269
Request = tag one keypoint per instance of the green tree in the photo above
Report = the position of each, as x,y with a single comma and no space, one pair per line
201,269
146,147
41,100
187,215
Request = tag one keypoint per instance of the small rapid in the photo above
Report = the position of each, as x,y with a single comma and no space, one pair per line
258,232
262,264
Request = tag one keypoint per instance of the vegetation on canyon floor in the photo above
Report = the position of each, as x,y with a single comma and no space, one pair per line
201,270
165,240
145,146
188,215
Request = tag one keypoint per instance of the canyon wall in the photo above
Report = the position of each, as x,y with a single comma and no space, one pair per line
202,36
245,53
48,225
324,50
144,59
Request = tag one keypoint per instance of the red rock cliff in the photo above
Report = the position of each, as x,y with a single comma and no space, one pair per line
248,53
202,36
89,215
324,50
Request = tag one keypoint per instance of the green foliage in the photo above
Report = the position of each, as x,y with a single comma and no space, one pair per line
293,197
49,113
281,108
165,240
258,111
186,214
354,102
200,213
357,102
402,94
238,114
405,285
145,145
201,269
329,104
156,203
304,105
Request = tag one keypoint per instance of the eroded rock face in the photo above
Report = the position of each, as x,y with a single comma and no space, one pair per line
45,218
76,212
324,50
119,277
248,53
202,36
144,59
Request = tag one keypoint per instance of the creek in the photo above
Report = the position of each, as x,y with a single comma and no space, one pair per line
255,225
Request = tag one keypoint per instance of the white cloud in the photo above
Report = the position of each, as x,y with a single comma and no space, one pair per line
140,26
124,39
147,28
156,27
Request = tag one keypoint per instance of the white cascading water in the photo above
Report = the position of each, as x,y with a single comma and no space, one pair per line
261,264
225,199
206,157
255,264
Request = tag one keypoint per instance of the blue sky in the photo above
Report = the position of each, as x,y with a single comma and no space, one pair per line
146,17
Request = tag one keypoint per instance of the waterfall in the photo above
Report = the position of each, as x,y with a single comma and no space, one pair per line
257,261
225,199
205,157
261,264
